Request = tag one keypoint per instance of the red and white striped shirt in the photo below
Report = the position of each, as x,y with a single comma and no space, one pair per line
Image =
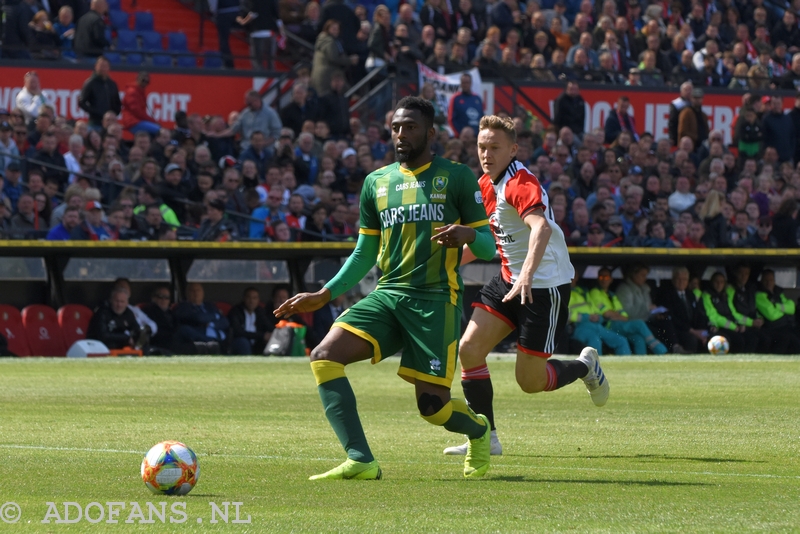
515,195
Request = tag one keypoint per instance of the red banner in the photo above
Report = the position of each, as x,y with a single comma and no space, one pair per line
166,94
650,108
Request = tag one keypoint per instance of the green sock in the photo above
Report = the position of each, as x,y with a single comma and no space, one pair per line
339,402
457,417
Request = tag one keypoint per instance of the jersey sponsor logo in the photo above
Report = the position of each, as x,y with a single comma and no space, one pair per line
412,213
382,191
501,235
409,185
478,197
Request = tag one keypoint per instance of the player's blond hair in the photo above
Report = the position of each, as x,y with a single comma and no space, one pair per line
495,122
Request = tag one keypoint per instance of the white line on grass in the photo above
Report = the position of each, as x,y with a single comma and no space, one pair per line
503,465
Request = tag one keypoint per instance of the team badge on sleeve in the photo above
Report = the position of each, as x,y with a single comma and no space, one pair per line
478,197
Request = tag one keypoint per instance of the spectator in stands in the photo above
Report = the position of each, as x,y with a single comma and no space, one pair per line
148,195
200,321
99,93
135,117
716,233
329,57
778,130
30,100
619,120
466,108
692,121
338,221
5,221
52,161
780,324
90,32
153,226
251,328
18,33
255,117
8,148
63,230
93,228
570,109
317,227
262,20
64,29
337,116
300,109
349,25
114,324
27,219
686,312
225,17
173,191
216,227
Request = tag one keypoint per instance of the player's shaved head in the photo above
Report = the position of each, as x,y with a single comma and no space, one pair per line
419,104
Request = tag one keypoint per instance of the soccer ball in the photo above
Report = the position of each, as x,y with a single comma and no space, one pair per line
170,468
718,345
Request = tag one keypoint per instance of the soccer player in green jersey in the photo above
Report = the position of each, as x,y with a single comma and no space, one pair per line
415,217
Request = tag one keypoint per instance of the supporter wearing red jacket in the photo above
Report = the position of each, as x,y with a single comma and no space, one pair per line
134,108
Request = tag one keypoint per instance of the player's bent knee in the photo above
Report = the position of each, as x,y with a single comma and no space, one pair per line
532,384
471,354
429,404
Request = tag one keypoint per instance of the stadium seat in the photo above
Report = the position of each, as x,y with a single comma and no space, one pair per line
162,60
177,42
126,40
115,5
12,329
212,60
74,322
223,307
44,334
187,62
113,57
119,20
152,41
143,21
134,60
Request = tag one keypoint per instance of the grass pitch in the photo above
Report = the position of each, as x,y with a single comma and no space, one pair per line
701,444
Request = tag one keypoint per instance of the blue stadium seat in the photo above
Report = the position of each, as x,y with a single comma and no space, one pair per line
126,40
116,5
187,62
212,60
119,20
177,42
152,41
107,33
143,21
113,57
135,60
162,60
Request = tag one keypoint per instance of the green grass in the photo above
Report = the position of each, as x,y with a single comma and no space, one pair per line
684,445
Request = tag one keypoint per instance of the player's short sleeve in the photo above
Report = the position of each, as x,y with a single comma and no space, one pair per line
370,222
472,210
524,192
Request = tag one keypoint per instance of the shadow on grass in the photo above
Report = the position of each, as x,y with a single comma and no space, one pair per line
519,478
641,457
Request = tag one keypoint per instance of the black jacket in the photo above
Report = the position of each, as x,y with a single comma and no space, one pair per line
684,316
337,115
348,23
570,111
165,321
114,331
293,115
98,96
237,319
90,35
200,317
267,11
744,300
19,35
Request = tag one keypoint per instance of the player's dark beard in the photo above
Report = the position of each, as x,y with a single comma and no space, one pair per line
415,152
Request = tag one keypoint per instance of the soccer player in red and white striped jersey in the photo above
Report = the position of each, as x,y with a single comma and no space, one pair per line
531,292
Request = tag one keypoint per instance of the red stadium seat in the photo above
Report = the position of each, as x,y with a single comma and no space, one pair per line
44,334
12,329
223,307
74,322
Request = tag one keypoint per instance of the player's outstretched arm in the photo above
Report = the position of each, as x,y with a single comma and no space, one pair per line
479,240
537,244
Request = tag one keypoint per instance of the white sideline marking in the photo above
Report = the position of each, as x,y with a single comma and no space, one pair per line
496,466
